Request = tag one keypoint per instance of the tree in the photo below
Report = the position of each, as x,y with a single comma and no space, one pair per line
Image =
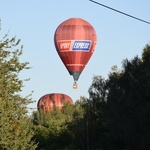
129,103
120,106
16,129
52,130
62,129
97,113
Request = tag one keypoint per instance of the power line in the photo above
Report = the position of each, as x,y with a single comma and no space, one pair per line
120,12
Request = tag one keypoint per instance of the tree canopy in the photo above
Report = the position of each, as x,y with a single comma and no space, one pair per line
121,105
16,128
115,116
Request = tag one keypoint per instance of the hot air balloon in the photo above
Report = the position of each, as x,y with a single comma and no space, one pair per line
75,41
49,101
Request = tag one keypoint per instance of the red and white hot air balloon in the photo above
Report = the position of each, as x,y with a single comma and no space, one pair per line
75,41
48,101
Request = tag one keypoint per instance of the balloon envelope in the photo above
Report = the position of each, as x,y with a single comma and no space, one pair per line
49,101
75,41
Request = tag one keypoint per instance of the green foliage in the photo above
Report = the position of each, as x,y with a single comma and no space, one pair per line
60,129
52,128
115,116
15,126
120,106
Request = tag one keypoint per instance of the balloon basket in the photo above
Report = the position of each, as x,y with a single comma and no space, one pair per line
75,85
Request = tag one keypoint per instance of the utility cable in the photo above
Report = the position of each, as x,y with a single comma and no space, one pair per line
120,12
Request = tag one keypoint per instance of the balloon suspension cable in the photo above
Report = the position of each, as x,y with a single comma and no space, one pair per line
75,85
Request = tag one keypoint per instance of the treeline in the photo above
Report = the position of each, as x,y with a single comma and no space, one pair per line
116,115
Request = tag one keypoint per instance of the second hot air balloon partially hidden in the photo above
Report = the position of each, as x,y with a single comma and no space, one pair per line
75,41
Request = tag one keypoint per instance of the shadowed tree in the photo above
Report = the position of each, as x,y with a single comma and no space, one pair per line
120,106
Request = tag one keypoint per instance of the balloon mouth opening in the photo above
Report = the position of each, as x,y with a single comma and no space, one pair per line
75,74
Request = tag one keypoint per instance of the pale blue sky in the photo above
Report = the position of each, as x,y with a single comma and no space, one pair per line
35,21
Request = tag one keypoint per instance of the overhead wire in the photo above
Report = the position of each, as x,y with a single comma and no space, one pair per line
120,12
